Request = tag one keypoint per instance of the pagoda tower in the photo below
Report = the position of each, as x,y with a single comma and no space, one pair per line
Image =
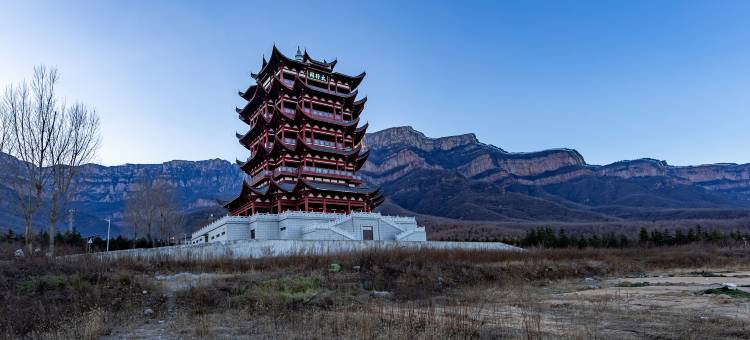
304,140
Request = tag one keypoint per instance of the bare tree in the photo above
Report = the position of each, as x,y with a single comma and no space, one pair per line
50,142
74,143
168,214
152,209
3,129
33,116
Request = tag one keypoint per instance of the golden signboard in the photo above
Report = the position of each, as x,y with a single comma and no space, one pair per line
316,76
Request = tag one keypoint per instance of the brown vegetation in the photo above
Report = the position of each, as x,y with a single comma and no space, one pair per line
370,294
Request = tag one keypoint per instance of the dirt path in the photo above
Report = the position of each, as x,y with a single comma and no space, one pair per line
163,326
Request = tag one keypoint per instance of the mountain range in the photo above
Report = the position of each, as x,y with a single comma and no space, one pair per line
455,186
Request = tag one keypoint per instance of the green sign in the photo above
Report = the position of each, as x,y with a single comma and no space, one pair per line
317,76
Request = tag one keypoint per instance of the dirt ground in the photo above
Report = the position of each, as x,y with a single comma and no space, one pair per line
669,305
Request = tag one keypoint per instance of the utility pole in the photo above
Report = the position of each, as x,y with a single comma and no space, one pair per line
109,224
70,220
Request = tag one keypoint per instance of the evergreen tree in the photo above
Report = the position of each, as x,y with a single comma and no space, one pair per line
699,234
595,241
562,239
691,236
624,242
643,238
679,237
657,238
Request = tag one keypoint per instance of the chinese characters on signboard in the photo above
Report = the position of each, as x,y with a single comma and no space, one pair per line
317,76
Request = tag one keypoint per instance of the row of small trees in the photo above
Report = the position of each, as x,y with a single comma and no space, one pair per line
50,139
76,243
549,238
152,211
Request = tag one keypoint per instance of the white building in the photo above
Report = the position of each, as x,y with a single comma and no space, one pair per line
298,225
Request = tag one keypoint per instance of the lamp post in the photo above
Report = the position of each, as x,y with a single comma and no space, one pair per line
109,224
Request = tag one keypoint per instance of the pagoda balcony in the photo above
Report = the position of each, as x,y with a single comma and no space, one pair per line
326,115
289,111
259,176
323,171
290,141
285,170
328,144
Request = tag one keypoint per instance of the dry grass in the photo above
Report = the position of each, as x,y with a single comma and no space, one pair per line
431,294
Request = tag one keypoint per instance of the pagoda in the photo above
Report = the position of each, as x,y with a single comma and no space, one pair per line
304,140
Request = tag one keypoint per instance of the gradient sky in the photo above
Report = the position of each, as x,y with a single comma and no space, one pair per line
613,79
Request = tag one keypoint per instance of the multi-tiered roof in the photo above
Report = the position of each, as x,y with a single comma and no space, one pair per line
305,146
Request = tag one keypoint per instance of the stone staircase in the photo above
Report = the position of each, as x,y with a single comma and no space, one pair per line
331,226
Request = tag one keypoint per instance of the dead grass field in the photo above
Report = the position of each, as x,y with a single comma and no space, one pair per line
655,293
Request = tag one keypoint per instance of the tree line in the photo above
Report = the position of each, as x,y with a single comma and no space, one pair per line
76,243
549,238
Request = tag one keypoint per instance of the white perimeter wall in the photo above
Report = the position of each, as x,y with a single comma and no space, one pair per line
257,249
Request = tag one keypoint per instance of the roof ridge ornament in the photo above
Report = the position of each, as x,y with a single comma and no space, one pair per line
299,55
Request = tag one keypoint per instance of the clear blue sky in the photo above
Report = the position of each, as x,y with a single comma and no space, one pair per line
612,79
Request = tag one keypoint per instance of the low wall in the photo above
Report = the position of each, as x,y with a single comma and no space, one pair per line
246,249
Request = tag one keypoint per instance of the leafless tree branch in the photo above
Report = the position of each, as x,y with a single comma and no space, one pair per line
50,142
152,210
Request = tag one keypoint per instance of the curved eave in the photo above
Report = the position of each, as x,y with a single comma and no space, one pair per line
327,92
277,87
337,188
235,202
377,202
353,81
359,133
241,198
361,159
247,165
260,192
358,106
325,150
252,104
248,137
329,65
337,123
276,58
281,187
249,93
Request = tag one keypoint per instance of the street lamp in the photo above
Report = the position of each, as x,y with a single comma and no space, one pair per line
109,224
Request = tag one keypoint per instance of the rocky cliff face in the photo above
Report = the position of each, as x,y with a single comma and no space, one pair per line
563,186
398,151
196,182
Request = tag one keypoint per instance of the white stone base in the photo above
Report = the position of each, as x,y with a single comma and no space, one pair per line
245,249
298,225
